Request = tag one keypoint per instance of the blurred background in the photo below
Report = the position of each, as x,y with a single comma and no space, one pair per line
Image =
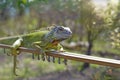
96,31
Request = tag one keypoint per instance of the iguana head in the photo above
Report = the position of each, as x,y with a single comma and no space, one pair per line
60,33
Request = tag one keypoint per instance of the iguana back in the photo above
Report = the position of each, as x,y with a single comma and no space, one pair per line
28,39
48,38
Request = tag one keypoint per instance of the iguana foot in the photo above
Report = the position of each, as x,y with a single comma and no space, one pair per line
53,59
33,56
59,60
65,61
38,56
48,58
43,56
37,45
8,54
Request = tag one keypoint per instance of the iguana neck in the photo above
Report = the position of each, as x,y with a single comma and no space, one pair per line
49,37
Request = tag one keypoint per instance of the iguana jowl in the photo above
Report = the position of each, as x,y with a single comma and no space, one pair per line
44,40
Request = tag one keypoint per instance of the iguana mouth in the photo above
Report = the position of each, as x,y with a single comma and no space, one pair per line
58,40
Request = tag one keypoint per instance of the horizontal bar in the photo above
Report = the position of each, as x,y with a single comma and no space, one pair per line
88,59
73,56
22,49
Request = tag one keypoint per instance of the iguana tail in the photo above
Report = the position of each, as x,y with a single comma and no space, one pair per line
8,40
14,53
14,64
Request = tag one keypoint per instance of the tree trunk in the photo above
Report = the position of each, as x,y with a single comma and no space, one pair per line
88,52
89,49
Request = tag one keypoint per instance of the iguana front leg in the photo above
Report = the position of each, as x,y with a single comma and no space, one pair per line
60,49
37,45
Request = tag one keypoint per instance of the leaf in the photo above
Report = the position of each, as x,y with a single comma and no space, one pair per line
25,1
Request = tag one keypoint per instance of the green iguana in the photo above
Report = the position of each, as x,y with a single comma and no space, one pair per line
44,40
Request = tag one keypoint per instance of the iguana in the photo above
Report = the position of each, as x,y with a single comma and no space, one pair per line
44,40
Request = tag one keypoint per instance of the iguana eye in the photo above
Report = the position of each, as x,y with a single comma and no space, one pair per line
61,29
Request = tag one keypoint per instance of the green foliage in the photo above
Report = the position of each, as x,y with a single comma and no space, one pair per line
92,22
115,37
113,21
112,15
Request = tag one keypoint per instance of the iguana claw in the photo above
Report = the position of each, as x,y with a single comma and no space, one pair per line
37,45
48,58
5,52
65,61
38,57
53,59
59,60
33,57
43,56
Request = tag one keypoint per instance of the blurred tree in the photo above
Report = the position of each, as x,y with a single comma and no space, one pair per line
116,16
16,15
93,24
13,8
115,35
111,13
